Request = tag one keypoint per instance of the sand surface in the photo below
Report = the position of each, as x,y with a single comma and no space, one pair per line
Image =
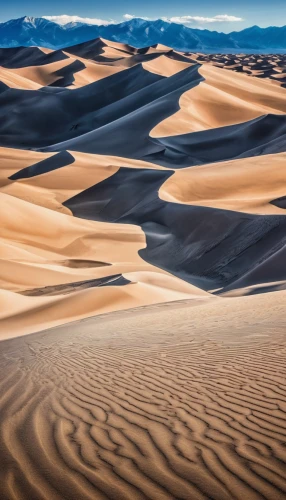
142,274
163,169
165,402
266,66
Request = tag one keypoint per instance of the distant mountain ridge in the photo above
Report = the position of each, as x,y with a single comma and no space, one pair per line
29,31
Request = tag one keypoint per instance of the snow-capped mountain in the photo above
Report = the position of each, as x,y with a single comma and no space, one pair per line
30,31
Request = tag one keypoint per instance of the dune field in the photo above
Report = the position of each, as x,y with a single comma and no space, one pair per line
142,274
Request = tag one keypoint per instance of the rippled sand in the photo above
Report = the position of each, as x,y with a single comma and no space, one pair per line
163,402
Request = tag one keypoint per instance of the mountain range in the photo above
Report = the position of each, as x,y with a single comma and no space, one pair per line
30,31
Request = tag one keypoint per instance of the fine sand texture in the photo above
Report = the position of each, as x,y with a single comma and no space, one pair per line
183,401
142,274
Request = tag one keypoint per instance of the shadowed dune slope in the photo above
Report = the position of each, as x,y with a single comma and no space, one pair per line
67,114
45,166
168,96
223,98
71,114
20,57
206,246
268,275
48,259
65,76
40,182
264,135
280,202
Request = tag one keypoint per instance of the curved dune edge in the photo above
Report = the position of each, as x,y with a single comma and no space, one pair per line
41,76
163,402
36,77
223,98
165,66
39,247
51,189
231,185
35,240
25,315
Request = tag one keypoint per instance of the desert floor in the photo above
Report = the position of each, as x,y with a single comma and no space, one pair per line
142,274
180,400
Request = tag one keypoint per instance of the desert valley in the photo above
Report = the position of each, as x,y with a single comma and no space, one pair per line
142,274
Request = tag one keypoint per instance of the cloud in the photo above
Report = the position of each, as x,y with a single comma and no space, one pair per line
65,19
222,18
228,19
128,17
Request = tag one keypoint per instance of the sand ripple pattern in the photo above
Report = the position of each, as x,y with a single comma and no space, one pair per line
120,415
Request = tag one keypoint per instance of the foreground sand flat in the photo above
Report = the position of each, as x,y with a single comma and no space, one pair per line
183,400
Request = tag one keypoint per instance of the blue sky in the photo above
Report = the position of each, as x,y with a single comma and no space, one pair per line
200,13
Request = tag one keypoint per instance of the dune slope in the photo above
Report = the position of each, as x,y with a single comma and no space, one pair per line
161,154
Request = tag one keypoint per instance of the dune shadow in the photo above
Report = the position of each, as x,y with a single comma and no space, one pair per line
54,162
66,288
22,57
279,202
66,74
205,246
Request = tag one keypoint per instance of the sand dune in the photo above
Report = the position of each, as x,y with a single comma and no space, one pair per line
12,79
48,74
222,99
184,98
44,182
33,68
41,250
101,47
96,106
20,57
263,135
114,151
29,311
142,274
231,185
265,66
205,246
